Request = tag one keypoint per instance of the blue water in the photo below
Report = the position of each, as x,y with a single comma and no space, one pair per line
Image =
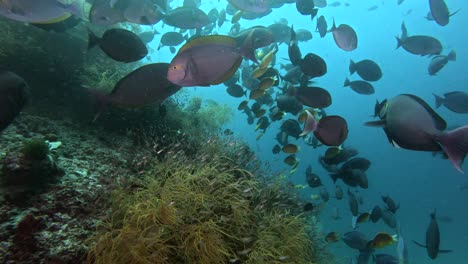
417,180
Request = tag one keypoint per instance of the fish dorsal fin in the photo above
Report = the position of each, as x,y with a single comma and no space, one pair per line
438,120
206,40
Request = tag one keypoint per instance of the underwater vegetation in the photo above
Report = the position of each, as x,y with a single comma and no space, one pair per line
205,209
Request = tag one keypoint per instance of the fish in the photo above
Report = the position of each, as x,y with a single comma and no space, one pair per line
237,16
391,205
305,7
236,91
420,45
242,105
329,130
440,12
119,44
276,149
221,18
228,132
399,2
313,180
389,218
291,160
253,38
290,148
289,104
360,218
335,4
382,240
143,12
355,240
410,123
148,36
205,61
294,52
13,97
360,87
315,97
343,155
376,214
433,239
267,83
404,31
324,194
186,18
345,37
439,62
402,248
338,192
291,127
332,237
353,204
256,94
308,207
145,85
171,39
366,69
313,65
385,259
254,6
322,26
456,101
39,11
303,35
373,8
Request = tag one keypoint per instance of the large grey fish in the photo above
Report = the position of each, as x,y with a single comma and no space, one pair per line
38,11
438,62
454,101
440,12
205,61
146,85
119,44
345,37
13,97
186,18
420,45
433,239
366,69
411,123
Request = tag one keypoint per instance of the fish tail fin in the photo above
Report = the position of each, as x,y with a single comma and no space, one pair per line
346,83
452,56
93,40
102,100
399,42
455,145
352,67
438,100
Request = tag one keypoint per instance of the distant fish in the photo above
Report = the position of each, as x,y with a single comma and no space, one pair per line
433,239
411,123
376,214
360,87
399,2
205,61
335,4
439,62
313,65
119,44
345,37
355,240
186,18
389,218
391,205
171,39
382,240
420,45
13,97
313,180
322,26
454,101
303,35
320,3
373,8
332,237
305,7
255,6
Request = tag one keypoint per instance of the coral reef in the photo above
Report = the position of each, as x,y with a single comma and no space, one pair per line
203,209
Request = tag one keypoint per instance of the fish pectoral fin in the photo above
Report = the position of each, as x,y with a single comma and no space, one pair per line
379,123
445,251
421,245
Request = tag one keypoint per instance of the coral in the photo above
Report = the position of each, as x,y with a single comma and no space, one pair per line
35,149
202,209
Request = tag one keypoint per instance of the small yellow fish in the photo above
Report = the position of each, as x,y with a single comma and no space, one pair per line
315,197
290,148
332,237
257,72
266,83
294,167
382,240
257,93
268,58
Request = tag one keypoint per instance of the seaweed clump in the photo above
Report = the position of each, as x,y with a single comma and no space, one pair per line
35,149
203,210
